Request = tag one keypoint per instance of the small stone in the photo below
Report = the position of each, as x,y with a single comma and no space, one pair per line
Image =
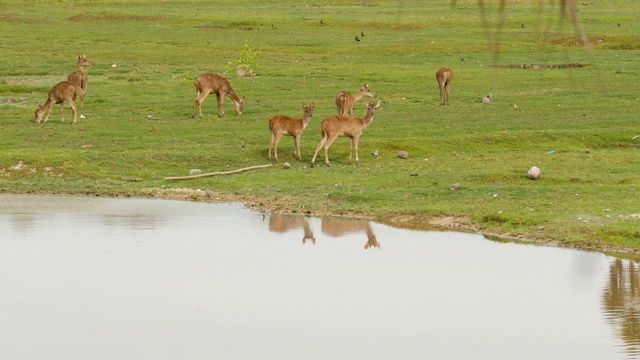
455,186
286,165
375,154
403,154
195,171
534,173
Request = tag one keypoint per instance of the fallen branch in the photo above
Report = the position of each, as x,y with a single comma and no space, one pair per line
218,173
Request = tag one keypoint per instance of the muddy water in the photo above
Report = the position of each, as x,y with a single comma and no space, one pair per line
95,278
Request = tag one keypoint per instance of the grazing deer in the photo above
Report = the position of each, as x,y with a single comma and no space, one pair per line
80,78
65,90
444,76
345,101
336,125
209,83
283,125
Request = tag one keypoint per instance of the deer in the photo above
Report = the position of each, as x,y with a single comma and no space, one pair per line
63,91
444,75
345,101
210,83
335,125
284,125
80,78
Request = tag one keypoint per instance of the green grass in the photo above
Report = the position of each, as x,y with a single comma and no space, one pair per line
589,190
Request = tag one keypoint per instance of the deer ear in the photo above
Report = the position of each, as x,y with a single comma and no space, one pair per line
378,104
313,106
366,104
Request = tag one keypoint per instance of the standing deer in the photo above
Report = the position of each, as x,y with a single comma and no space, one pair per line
345,101
336,125
210,83
80,78
284,125
444,76
65,90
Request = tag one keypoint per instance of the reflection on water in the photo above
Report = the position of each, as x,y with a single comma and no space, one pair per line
337,227
154,279
282,223
621,301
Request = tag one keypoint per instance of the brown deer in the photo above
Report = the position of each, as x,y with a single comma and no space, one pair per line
63,91
80,78
444,76
284,125
336,227
210,83
336,125
345,101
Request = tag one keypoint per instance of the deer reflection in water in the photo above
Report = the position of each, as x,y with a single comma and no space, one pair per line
282,223
621,302
336,227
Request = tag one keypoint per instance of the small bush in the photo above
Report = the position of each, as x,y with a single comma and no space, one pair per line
247,63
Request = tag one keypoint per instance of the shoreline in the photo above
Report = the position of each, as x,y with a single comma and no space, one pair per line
442,223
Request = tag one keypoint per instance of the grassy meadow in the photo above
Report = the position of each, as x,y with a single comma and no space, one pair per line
582,102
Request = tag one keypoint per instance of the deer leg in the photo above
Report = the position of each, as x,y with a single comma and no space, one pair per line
271,144
326,148
324,139
200,102
195,105
296,141
220,97
83,89
350,149
356,141
275,145
62,110
74,108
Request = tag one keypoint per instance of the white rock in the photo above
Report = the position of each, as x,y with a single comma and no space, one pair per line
534,173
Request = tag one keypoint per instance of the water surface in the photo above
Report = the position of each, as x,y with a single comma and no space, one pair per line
97,278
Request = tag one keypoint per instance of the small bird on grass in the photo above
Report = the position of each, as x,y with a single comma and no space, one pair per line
357,38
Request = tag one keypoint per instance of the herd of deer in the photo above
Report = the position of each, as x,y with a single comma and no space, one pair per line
342,125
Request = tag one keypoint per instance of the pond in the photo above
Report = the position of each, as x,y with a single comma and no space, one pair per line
102,278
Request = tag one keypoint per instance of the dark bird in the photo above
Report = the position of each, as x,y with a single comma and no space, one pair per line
522,26
362,34
321,22
461,59
273,26
357,38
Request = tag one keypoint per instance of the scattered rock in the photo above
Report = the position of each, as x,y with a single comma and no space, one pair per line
403,154
195,171
552,152
375,154
487,99
455,186
286,165
19,166
534,173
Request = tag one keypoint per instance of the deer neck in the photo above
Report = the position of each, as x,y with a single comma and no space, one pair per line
359,95
232,94
367,120
80,67
305,120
